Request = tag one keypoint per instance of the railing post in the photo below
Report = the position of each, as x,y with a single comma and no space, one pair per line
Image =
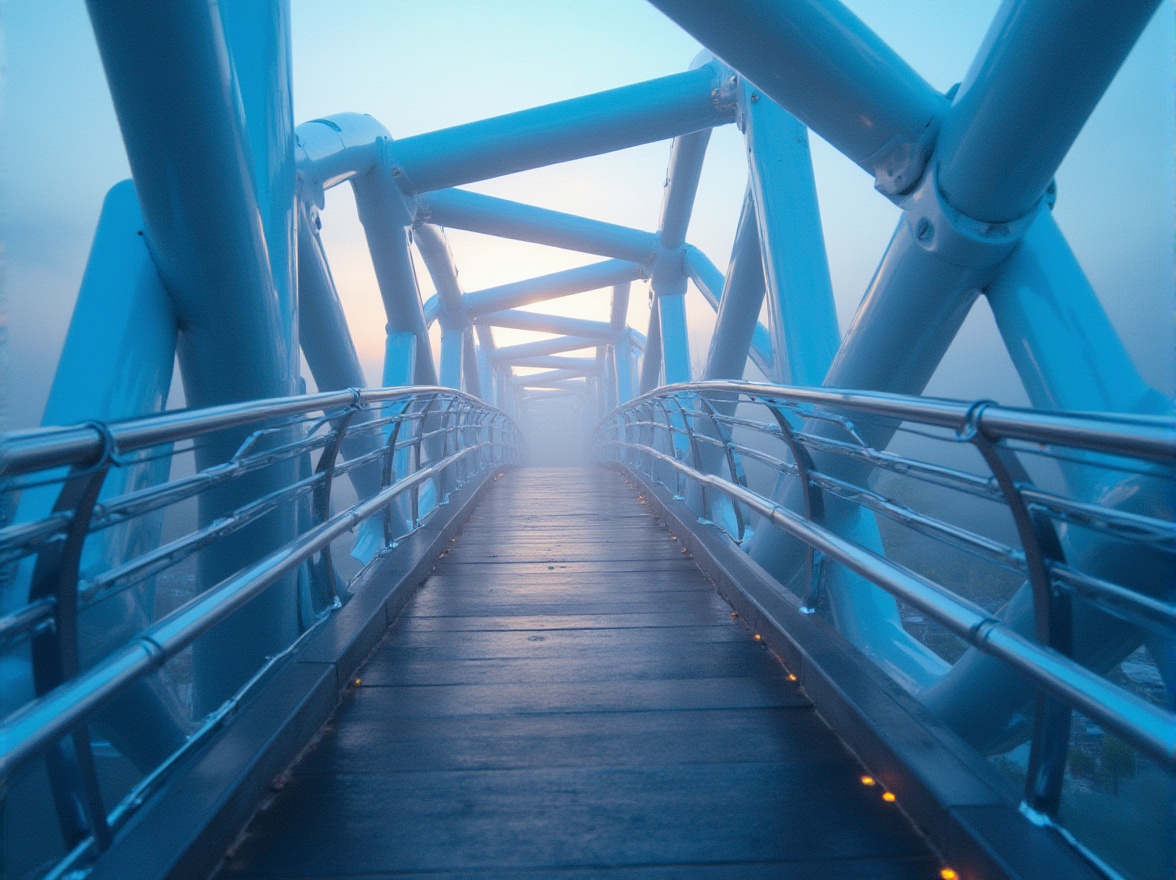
1052,616
814,506
388,475
734,467
415,514
56,652
324,591
695,455
672,448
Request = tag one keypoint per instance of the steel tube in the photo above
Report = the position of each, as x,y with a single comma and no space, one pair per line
565,326
1147,726
579,384
474,212
542,347
120,347
181,105
169,75
258,39
379,206
802,313
1041,70
557,284
739,308
1061,342
325,337
337,148
686,158
29,730
552,376
710,282
651,363
452,343
47,448
555,362
1142,436
816,59
586,126
619,307
434,250
470,369
675,339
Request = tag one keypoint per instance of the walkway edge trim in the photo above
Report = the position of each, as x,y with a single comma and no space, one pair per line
968,812
185,828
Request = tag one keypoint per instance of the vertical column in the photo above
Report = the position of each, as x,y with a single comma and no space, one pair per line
674,337
802,313
386,225
180,102
739,305
452,343
651,363
116,363
669,276
471,374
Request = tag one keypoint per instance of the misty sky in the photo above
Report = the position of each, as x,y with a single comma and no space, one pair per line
417,67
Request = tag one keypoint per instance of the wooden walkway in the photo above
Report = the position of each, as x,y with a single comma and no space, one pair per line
568,697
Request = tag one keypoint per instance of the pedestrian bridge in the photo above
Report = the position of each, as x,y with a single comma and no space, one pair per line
812,625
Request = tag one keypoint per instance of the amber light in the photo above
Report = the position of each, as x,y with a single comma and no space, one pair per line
949,874
868,780
889,797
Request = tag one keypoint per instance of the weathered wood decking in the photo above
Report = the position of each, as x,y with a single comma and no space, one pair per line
567,696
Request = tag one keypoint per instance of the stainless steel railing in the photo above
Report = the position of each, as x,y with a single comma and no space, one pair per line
749,458
404,450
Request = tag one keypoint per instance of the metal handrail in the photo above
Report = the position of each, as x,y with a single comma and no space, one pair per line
1105,439
1148,726
79,458
31,728
46,448
1143,436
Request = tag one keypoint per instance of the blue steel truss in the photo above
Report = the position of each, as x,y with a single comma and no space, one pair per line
202,94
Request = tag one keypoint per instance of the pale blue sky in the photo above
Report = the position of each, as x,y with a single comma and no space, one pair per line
417,67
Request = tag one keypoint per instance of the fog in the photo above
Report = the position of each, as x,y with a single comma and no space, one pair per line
459,61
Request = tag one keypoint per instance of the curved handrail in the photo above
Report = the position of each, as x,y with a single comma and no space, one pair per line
401,432
638,436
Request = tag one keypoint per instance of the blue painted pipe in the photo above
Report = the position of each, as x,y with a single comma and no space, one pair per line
555,362
710,283
686,158
178,106
378,200
819,61
651,363
587,126
801,309
520,320
459,209
1041,70
325,337
739,308
471,377
557,284
543,347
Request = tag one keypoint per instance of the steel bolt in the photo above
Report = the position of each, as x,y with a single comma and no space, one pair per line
924,230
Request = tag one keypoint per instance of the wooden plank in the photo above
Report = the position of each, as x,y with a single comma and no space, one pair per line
361,741
585,643
737,658
574,817
567,697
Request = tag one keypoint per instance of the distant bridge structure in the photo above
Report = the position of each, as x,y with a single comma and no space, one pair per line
969,608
